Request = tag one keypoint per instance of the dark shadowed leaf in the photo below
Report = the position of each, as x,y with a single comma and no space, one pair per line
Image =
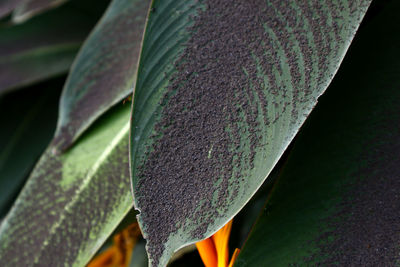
28,119
44,46
223,87
30,8
7,6
338,199
71,203
104,71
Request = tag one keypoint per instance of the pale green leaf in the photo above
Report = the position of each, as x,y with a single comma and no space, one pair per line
72,202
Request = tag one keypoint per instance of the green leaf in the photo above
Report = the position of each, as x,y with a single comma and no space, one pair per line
42,47
29,8
104,71
28,119
337,200
222,89
72,202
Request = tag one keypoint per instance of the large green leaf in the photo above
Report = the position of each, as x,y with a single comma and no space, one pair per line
222,89
72,202
104,71
30,8
28,119
337,201
44,46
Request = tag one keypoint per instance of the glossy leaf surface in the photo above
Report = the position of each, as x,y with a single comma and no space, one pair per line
337,200
42,47
71,203
28,119
104,71
222,89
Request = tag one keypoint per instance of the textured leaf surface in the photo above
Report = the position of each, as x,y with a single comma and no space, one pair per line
42,47
71,203
222,89
28,119
30,8
337,201
105,70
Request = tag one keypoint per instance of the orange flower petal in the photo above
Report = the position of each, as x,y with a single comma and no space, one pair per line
234,256
221,239
106,258
214,251
120,253
207,252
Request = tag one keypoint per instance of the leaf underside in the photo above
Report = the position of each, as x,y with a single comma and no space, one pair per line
222,89
104,71
337,200
72,202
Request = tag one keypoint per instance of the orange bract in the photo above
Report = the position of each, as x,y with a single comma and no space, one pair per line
214,251
120,253
207,252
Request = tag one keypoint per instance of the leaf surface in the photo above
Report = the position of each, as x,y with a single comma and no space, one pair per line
71,203
222,89
28,119
42,47
337,200
104,71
